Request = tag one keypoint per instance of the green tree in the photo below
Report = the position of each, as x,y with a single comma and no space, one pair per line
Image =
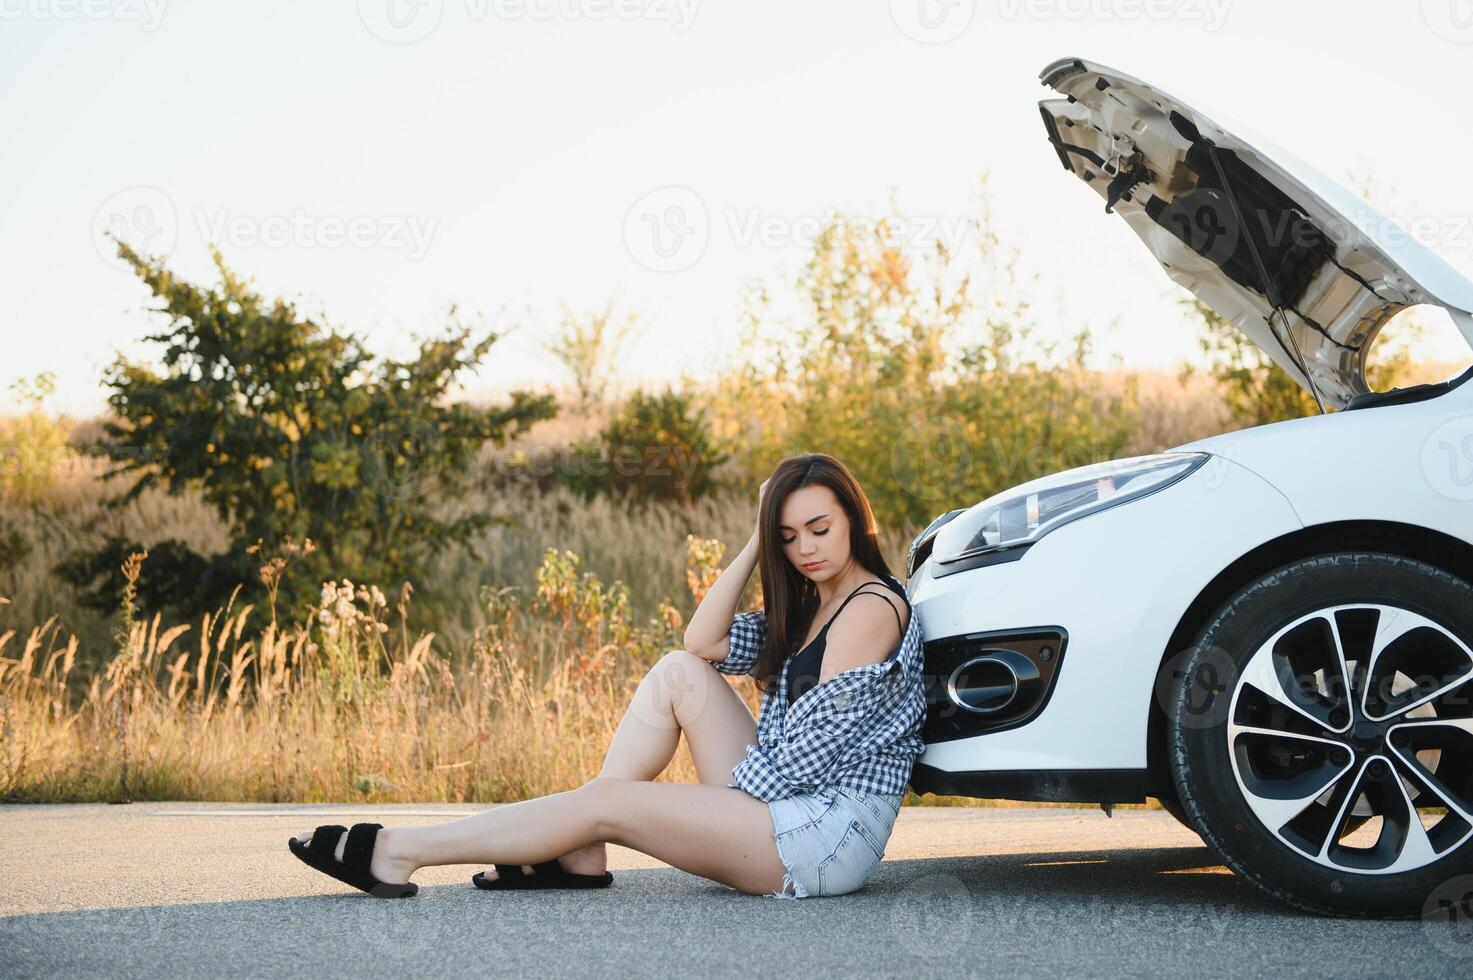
588,345
915,362
290,429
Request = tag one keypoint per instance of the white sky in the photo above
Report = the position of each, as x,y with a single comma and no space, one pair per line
502,161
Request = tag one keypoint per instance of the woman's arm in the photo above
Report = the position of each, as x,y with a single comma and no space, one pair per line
706,635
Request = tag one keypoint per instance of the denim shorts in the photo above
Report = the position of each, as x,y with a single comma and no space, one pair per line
830,840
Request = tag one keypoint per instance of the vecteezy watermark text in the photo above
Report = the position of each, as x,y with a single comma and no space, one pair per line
1211,13
678,13
408,21
939,21
408,233
148,14
668,229
752,226
145,219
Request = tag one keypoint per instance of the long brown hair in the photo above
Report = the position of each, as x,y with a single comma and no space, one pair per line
789,597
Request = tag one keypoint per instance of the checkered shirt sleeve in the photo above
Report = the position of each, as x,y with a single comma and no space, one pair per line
748,633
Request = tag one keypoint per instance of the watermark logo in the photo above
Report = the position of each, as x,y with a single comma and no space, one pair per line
932,460
676,688
1195,243
1451,20
1215,472
668,229
1204,678
1444,232
1447,917
1447,458
670,465
932,917
142,218
396,459
401,21
932,21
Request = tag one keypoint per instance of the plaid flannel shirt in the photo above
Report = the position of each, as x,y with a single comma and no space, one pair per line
859,729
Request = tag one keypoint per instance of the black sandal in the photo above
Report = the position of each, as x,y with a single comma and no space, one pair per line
549,874
320,853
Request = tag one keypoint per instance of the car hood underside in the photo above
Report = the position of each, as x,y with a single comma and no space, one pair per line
1306,270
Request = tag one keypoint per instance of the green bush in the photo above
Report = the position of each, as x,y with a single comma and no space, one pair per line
657,448
290,431
33,445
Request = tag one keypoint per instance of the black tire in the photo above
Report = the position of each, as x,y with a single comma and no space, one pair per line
1173,806
1206,770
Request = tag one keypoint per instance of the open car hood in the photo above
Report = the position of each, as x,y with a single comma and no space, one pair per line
1248,227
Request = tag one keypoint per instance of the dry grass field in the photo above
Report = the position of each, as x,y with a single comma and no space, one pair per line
513,690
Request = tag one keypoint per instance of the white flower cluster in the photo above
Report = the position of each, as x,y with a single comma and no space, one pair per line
337,609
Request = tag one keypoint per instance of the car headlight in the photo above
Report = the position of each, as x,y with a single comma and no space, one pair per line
920,548
1007,523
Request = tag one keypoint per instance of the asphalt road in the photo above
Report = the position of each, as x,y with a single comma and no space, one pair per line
209,890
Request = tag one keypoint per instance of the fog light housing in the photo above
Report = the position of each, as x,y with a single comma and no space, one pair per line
988,682
993,682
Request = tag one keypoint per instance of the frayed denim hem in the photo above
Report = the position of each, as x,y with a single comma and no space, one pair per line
797,891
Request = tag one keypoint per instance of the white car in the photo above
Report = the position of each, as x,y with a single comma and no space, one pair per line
1267,630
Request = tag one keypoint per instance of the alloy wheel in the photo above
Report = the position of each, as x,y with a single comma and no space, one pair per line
1350,735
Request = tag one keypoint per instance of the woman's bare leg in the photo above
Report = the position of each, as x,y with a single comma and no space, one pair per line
716,832
682,692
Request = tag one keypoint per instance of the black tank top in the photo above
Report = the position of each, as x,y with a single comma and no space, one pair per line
803,667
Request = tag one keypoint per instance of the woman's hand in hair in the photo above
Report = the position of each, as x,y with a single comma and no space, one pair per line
761,493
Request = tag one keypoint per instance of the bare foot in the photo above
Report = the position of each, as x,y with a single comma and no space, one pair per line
590,860
386,864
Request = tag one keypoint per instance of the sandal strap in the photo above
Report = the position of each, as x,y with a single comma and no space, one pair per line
512,872
359,849
325,838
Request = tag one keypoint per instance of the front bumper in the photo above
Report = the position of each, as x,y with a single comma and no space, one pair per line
1117,583
1035,785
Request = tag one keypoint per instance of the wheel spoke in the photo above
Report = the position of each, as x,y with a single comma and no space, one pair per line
1235,729
1465,724
1416,847
1346,693
1429,780
1276,811
1342,814
1430,696
1392,626
1266,674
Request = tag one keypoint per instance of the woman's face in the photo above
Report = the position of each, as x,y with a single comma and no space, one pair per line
814,532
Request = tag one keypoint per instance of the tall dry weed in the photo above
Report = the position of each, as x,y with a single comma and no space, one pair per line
346,706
